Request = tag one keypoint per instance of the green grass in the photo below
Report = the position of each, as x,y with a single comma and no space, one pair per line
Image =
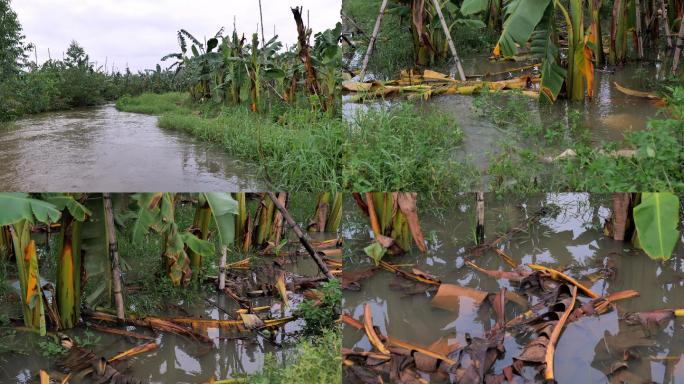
390,149
155,104
316,360
403,149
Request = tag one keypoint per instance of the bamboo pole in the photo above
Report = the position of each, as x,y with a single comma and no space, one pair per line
114,254
678,48
445,27
261,16
222,268
298,231
480,210
374,37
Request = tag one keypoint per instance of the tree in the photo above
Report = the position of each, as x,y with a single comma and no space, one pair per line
12,49
76,56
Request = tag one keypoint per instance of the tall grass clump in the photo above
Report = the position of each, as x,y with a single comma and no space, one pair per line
300,150
402,149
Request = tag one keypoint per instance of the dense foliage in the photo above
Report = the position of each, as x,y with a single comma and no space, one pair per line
30,87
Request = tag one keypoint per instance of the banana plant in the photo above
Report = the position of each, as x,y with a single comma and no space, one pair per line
198,65
235,74
156,211
537,20
328,214
394,222
69,263
327,56
19,211
428,36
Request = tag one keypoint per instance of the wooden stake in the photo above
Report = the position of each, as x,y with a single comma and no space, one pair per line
114,254
298,231
374,37
666,22
640,39
261,15
445,27
480,210
222,268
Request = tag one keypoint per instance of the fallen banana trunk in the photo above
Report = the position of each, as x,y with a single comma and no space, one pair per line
152,323
432,83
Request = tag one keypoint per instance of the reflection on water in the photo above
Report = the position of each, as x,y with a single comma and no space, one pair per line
570,239
102,149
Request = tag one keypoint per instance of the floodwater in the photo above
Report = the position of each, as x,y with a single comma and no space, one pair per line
607,117
102,149
570,239
178,359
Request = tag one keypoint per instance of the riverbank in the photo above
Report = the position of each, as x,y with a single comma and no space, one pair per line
300,150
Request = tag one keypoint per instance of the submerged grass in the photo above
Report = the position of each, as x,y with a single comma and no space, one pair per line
654,163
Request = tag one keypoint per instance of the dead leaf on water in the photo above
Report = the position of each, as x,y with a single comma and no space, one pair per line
449,295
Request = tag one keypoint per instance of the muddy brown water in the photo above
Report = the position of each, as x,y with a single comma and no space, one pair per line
102,149
570,239
178,359
607,117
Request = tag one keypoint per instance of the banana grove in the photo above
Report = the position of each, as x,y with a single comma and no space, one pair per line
90,271
567,37
235,69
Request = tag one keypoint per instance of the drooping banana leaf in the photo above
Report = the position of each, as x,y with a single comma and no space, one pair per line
224,209
15,207
20,211
522,17
657,219
544,46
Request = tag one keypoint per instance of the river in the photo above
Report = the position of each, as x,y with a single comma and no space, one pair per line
102,149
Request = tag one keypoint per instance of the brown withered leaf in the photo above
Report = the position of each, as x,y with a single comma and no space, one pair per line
650,319
351,279
428,363
407,205
448,296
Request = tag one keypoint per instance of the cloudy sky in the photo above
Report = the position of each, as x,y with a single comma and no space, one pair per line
140,32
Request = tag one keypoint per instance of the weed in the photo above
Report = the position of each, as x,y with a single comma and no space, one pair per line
399,149
316,360
320,317
88,340
50,347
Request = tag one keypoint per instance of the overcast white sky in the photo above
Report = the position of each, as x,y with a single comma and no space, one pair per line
140,32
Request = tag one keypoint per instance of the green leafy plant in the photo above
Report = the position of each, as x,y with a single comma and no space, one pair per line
50,347
656,219
321,317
